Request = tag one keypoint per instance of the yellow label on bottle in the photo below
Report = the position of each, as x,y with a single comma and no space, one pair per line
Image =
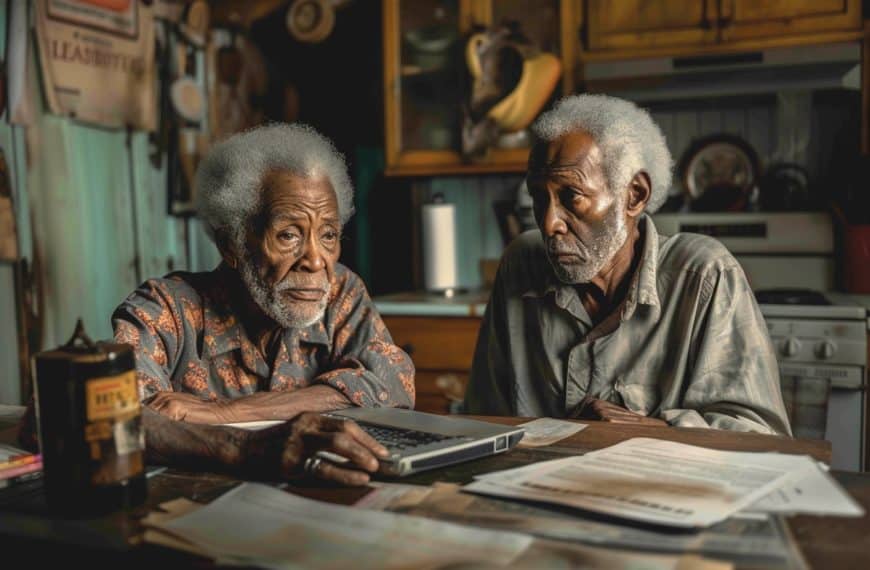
111,396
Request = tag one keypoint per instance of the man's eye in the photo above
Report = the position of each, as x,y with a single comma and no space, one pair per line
287,236
330,236
570,194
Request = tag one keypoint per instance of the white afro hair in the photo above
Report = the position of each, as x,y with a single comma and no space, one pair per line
230,178
629,139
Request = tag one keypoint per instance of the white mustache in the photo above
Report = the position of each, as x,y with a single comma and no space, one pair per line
556,248
289,283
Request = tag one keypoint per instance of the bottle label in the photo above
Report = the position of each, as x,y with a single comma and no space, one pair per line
112,396
114,428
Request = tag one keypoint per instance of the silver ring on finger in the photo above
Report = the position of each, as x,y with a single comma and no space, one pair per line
312,464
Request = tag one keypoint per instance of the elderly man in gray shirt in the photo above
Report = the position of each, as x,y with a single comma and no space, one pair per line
597,316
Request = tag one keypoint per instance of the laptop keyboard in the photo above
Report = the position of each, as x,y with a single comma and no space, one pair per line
398,439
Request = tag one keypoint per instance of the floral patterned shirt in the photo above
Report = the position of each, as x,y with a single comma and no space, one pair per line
187,337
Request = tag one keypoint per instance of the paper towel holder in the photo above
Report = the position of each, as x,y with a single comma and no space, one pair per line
431,285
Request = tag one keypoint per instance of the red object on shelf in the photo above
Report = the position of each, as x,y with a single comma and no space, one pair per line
856,258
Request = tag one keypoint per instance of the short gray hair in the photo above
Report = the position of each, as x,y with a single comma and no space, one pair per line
629,139
229,180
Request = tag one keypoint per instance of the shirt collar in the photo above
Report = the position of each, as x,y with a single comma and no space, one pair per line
223,332
642,291
644,288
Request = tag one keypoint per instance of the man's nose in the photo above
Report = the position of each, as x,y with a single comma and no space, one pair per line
553,222
311,259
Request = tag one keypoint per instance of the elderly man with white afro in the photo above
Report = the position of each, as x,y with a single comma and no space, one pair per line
597,316
629,140
229,180
279,328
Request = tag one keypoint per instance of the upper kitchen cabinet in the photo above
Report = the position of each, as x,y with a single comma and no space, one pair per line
743,19
637,24
638,28
427,78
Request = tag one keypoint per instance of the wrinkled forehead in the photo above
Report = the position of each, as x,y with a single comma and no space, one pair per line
293,187
572,156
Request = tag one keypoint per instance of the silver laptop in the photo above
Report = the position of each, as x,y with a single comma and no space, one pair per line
418,441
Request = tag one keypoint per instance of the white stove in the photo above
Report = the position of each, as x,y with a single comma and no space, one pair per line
821,348
822,354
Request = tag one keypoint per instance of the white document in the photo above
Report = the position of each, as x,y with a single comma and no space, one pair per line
255,425
547,431
814,492
393,495
648,480
258,525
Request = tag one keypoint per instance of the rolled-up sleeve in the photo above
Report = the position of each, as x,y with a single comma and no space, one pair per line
366,366
147,322
734,383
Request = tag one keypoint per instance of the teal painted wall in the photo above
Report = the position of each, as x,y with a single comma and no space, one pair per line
96,209
477,231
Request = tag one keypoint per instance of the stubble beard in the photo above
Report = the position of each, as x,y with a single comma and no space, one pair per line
598,252
288,314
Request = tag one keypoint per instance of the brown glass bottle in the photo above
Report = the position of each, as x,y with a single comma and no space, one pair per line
90,427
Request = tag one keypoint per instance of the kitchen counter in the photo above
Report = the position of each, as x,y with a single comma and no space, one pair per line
473,303
423,304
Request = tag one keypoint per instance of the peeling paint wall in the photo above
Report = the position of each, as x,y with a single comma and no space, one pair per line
96,210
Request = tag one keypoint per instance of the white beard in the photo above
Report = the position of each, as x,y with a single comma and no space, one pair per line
601,249
288,314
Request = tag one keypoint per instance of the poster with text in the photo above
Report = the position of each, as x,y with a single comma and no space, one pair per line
97,60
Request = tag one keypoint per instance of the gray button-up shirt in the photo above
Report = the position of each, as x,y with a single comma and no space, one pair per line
690,347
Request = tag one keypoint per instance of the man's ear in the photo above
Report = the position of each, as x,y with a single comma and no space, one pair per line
226,249
638,195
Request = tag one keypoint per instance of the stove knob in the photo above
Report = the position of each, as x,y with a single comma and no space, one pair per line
826,349
791,346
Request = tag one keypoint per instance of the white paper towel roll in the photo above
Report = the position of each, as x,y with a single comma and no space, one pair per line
439,246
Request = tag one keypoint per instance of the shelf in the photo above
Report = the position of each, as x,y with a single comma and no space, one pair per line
416,71
449,162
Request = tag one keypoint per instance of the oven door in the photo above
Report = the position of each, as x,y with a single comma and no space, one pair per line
827,402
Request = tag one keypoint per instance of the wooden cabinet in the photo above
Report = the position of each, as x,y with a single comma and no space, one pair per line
631,24
742,19
442,349
425,76
637,28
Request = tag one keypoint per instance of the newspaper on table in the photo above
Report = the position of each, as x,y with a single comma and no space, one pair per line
651,481
310,534
259,525
811,491
752,540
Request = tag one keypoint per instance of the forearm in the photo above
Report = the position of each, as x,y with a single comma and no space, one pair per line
374,381
285,405
190,445
262,454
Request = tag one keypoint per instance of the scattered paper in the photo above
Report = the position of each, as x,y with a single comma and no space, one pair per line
755,539
258,525
814,492
393,496
547,431
647,480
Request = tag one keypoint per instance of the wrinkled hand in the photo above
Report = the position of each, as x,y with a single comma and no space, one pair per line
184,407
312,433
595,409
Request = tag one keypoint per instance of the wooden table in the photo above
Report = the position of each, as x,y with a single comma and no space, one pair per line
827,542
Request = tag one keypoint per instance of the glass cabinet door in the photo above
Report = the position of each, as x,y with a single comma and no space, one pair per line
430,74
427,81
